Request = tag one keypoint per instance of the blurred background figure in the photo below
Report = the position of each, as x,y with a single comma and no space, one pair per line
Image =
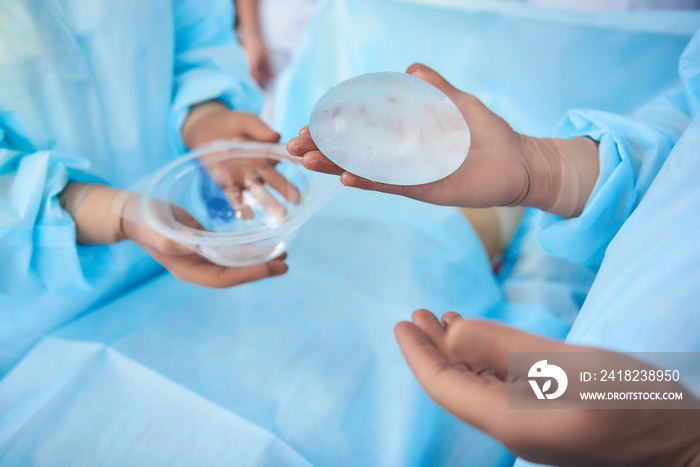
269,30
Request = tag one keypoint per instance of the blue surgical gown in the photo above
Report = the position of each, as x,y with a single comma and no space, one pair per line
97,93
140,369
642,223
104,360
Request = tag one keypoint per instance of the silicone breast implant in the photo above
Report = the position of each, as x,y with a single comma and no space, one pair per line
391,128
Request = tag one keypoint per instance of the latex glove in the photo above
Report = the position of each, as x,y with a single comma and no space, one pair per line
449,360
213,121
96,211
503,167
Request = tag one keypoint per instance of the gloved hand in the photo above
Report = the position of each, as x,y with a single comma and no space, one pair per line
251,174
503,167
212,121
463,366
100,216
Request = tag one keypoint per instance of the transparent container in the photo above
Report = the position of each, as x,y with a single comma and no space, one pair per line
229,203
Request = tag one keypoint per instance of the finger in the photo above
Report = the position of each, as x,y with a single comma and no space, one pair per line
268,202
352,180
183,217
433,330
300,145
450,317
235,199
217,171
257,130
418,348
151,240
267,69
459,391
317,162
431,76
428,323
305,131
255,72
283,186
485,344
469,105
198,270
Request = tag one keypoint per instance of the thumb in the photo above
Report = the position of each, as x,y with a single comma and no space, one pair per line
152,241
485,344
431,76
257,130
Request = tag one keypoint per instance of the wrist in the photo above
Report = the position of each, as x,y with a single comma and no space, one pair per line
195,129
248,34
91,206
562,173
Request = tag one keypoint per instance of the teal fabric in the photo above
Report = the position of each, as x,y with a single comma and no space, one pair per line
632,150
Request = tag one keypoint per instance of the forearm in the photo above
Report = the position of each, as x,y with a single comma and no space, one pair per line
562,173
248,19
92,207
209,64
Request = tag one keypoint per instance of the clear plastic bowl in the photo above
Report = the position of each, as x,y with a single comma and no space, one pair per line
201,184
